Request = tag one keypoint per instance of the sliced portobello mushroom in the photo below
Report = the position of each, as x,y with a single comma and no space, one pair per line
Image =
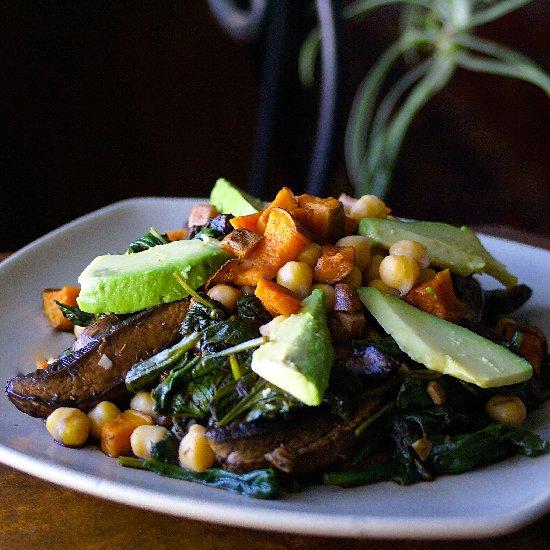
95,368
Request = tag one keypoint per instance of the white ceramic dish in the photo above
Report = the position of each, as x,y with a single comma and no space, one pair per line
487,502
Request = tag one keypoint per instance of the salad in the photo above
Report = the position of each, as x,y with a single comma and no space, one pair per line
269,346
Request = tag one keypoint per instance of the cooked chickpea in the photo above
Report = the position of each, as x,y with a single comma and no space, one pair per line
69,426
101,413
226,295
399,272
506,409
247,289
144,437
296,276
194,451
330,298
383,287
372,271
354,279
310,254
413,250
368,206
144,402
362,247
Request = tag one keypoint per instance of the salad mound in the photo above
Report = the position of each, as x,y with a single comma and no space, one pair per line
308,340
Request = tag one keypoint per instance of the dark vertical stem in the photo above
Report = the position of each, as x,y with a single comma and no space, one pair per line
275,45
323,157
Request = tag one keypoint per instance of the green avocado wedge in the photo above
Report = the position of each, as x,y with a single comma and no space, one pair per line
443,346
229,199
125,283
299,355
448,246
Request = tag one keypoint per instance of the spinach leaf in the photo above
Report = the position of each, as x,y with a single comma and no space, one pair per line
149,240
76,315
492,444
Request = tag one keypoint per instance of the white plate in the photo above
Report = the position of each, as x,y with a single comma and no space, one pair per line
487,502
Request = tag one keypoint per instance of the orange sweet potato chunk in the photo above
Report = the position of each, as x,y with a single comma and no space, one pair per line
249,221
66,295
324,218
334,264
116,433
284,199
437,296
277,299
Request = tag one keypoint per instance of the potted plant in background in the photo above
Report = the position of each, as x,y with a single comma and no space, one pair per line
435,39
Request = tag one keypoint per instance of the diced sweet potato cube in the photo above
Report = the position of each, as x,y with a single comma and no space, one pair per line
334,264
284,238
116,433
533,345
284,199
249,221
437,296
242,272
277,299
240,242
346,298
66,295
177,234
201,214
323,218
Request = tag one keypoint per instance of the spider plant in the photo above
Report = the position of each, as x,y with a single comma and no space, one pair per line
439,35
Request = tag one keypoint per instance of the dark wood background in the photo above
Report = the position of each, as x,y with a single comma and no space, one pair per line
102,101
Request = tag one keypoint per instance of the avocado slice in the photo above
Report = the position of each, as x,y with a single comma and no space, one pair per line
299,355
229,199
125,283
448,246
443,346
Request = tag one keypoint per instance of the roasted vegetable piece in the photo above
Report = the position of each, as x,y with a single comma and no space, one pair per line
241,242
277,299
533,344
201,214
437,296
323,218
95,368
250,221
66,295
284,239
284,199
334,264
116,433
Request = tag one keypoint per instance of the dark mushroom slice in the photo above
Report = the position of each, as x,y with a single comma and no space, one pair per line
96,367
502,301
312,441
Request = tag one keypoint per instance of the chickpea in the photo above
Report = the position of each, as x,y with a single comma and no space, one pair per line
226,295
143,402
383,287
354,279
506,409
328,290
362,246
144,437
310,254
296,276
99,415
69,426
368,206
372,271
399,272
411,249
194,451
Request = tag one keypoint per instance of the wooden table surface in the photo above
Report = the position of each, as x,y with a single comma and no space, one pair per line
38,514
